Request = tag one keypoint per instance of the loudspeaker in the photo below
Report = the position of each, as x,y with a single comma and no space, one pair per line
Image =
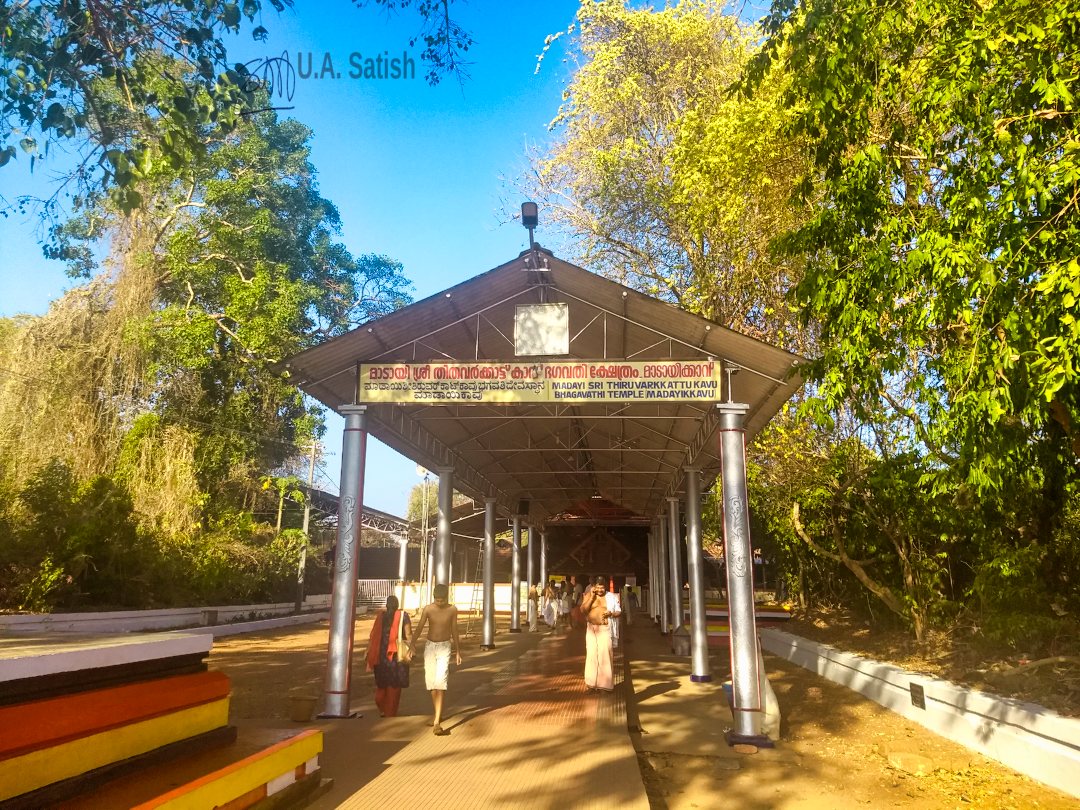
523,507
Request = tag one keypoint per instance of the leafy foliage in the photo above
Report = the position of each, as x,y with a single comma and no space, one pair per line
151,401
664,176
941,276
65,68
943,268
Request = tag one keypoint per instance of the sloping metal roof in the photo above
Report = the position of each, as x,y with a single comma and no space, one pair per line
553,454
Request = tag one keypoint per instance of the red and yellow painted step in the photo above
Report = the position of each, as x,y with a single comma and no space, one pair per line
250,780
53,739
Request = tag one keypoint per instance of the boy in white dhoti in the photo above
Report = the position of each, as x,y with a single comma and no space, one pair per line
440,617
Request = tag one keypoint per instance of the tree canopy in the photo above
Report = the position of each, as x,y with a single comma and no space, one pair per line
161,377
65,66
890,190
663,175
942,263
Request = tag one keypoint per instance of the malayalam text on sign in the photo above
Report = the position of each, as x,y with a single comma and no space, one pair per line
582,381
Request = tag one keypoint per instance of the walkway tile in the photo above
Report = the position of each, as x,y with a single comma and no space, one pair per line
531,736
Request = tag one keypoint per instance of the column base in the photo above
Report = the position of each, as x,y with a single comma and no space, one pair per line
515,629
760,740
349,716
701,678
486,647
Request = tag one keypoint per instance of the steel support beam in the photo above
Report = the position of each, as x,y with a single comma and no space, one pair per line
487,639
515,578
336,694
695,569
674,569
748,705
442,537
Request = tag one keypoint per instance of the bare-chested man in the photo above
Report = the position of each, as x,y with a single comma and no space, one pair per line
598,655
440,619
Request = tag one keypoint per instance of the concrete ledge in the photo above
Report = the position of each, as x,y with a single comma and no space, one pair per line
1030,738
219,630
33,657
131,621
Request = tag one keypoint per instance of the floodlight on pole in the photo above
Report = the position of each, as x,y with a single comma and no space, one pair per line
530,218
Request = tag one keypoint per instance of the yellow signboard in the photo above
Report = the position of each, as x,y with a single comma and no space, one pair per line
571,382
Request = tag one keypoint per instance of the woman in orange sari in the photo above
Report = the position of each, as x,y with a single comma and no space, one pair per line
391,674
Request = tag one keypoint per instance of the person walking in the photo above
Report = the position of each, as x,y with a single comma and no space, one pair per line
598,655
440,619
549,607
534,608
385,656
564,608
614,608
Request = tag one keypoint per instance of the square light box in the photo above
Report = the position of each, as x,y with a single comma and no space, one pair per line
541,329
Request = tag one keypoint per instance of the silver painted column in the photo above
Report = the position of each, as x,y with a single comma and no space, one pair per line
343,602
654,574
661,555
658,575
543,557
431,572
530,575
649,562
695,569
442,537
746,694
515,579
674,569
487,638
403,559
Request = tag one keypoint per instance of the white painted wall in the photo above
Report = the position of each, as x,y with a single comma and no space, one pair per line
133,621
1030,738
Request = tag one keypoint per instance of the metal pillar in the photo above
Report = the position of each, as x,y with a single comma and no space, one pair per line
403,558
530,575
661,556
746,690
343,602
543,557
487,637
649,562
674,569
695,569
431,572
652,572
515,579
442,537
654,576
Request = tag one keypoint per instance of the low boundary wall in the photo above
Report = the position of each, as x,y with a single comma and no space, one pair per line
1030,738
133,621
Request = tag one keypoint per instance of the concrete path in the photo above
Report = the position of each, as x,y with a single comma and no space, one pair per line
523,732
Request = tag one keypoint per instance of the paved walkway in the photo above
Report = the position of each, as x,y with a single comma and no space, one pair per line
523,732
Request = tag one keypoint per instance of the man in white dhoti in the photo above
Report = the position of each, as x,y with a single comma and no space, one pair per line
598,655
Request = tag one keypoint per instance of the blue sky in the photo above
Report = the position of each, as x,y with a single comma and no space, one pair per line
423,175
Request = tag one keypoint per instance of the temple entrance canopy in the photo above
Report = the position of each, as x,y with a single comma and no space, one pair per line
561,398
630,448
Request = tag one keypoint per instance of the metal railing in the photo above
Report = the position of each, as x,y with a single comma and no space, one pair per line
372,593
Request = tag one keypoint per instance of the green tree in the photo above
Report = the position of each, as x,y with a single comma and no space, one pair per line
942,261
941,272
664,176
64,64
237,257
